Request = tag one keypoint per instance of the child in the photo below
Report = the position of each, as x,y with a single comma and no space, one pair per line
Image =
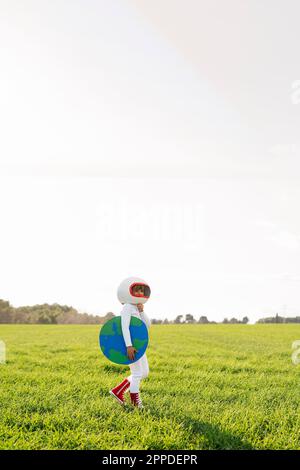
138,292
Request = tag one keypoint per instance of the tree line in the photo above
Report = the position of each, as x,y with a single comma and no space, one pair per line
48,314
279,319
64,314
188,318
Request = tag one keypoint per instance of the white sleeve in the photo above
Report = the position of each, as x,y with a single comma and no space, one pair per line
145,319
125,322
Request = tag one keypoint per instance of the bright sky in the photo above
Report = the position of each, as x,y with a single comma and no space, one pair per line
156,138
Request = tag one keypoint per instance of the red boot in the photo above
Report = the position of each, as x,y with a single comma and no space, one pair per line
119,390
136,400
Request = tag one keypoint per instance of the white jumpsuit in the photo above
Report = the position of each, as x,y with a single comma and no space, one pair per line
139,369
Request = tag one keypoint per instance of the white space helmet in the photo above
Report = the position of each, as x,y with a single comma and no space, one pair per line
127,291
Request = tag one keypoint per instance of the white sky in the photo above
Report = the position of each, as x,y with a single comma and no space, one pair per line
151,138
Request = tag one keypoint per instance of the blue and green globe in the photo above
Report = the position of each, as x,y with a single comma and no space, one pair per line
112,342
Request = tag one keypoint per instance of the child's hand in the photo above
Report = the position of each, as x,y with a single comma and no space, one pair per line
140,307
131,352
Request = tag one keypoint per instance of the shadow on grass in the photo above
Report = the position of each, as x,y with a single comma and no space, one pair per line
210,434
213,437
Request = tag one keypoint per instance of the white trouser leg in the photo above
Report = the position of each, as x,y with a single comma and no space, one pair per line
139,370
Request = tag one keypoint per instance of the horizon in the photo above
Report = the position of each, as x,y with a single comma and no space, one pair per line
102,315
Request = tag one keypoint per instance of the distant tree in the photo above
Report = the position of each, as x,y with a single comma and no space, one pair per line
189,318
225,321
19,316
203,320
277,319
245,320
166,321
178,319
155,321
233,320
108,316
292,320
6,312
47,314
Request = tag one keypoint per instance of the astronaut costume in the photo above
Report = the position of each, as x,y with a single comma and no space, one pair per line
139,369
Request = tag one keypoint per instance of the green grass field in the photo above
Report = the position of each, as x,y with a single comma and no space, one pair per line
210,387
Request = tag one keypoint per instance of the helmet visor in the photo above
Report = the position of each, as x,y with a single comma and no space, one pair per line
140,290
